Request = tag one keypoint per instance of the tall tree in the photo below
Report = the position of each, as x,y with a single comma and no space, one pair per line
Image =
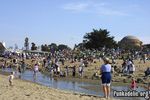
62,47
33,47
42,48
45,48
26,44
53,47
99,39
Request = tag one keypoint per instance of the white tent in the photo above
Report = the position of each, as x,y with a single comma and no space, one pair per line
2,47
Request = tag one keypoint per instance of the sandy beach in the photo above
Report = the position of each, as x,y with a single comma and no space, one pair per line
24,90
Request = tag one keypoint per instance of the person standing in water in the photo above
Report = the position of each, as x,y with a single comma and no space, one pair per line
74,71
106,77
36,69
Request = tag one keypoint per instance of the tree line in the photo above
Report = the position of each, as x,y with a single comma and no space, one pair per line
45,47
96,39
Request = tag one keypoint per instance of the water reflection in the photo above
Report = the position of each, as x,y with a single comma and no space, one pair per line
55,83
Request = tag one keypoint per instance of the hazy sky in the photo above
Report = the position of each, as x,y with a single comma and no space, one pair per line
67,21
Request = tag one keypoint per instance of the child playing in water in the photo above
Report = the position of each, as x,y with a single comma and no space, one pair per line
11,77
36,68
133,84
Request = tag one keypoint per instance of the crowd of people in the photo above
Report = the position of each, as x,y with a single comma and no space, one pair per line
78,62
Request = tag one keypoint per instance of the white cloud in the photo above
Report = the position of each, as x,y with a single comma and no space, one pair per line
111,12
76,7
101,8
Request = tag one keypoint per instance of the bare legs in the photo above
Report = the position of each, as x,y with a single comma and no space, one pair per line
106,90
10,83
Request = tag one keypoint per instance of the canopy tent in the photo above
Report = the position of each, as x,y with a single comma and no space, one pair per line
2,47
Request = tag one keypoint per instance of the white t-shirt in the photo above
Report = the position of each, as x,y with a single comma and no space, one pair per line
58,69
129,63
132,68
11,77
36,68
80,68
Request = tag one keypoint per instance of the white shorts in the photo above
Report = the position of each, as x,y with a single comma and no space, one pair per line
108,84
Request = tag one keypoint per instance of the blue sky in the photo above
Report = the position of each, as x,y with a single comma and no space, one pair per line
67,21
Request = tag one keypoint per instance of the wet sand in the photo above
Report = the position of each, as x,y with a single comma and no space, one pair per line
24,90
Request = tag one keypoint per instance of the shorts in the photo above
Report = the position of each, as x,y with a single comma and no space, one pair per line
35,71
106,78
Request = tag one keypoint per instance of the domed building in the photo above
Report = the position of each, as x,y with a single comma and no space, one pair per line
130,42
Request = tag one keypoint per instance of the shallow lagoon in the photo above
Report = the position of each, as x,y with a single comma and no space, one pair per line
71,85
